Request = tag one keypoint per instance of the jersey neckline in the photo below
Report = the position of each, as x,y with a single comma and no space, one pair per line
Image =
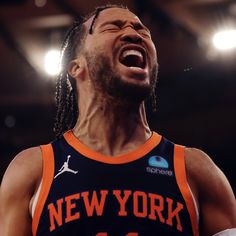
136,154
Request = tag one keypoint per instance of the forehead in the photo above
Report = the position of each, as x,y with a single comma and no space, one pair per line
116,14
111,14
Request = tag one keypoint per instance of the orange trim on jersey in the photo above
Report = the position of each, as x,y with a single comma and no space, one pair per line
141,151
47,178
181,178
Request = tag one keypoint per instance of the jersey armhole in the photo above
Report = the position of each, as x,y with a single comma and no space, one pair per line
181,178
47,178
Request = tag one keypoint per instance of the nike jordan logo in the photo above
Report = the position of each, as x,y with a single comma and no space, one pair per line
65,168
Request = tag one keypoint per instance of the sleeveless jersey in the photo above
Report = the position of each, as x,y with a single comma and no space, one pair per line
141,193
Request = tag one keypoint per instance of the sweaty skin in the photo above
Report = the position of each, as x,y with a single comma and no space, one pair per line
99,114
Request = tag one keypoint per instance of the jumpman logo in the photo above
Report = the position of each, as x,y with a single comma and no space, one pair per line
65,168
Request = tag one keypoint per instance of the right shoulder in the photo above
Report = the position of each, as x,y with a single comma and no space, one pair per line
23,174
19,183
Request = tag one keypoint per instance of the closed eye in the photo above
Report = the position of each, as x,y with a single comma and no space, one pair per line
114,25
110,27
144,32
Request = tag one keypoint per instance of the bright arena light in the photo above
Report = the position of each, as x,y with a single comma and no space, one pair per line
51,62
225,40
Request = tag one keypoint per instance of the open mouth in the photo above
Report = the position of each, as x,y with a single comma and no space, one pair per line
133,57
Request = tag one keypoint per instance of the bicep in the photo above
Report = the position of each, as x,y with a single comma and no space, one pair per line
217,205
215,197
15,219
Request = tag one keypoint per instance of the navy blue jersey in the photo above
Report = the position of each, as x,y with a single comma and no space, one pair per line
140,193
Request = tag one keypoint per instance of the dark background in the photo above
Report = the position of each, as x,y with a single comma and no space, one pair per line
196,95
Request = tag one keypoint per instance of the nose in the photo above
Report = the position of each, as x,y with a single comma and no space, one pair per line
130,35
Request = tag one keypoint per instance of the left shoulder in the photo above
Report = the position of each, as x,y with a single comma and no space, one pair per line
200,167
204,172
212,191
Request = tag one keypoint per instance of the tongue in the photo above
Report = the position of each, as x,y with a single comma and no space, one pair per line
132,61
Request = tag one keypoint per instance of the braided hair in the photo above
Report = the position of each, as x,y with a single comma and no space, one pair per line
66,93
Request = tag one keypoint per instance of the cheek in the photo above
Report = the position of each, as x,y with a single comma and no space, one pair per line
97,41
153,51
152,56
104,45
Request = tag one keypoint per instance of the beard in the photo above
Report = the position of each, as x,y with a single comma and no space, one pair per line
108,83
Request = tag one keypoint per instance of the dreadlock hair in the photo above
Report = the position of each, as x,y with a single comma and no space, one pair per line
66,93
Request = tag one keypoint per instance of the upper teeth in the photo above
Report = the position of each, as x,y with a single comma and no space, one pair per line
132,52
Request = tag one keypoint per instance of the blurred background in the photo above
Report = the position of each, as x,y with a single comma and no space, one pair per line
196,95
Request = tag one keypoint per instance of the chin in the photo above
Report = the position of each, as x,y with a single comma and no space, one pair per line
129,89
136,81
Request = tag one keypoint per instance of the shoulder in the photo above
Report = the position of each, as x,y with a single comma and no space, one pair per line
204,174
198,163
23,174
202,171
17,188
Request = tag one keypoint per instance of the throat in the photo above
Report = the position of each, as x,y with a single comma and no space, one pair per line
112,132
111,145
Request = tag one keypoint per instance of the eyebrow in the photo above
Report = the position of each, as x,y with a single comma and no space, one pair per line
137,25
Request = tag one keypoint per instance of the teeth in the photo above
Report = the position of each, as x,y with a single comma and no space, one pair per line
133,53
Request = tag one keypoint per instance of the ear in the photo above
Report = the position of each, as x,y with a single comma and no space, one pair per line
74,68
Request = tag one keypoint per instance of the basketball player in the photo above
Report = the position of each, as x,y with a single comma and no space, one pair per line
109,174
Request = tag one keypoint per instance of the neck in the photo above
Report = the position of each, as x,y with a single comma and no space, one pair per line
111,128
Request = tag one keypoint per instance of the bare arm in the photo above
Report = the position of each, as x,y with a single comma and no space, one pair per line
212,190
17,188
